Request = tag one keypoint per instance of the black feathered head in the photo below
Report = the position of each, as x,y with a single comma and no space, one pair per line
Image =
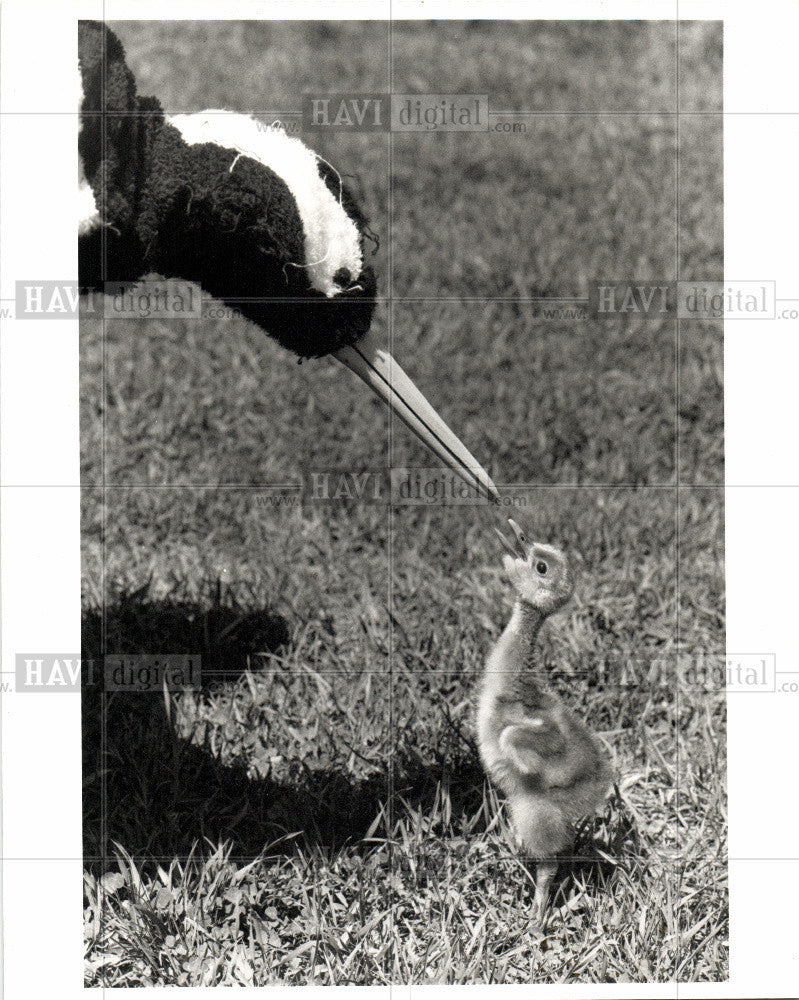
261,222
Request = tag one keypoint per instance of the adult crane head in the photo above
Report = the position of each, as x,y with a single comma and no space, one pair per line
248,212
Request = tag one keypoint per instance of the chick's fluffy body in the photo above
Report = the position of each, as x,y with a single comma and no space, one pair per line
537,752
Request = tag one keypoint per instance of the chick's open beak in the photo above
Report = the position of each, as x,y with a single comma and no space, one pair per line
519,549
386,379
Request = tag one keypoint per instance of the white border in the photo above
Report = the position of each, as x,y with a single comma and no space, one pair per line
40,570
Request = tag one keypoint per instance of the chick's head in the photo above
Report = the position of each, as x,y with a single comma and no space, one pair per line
538,572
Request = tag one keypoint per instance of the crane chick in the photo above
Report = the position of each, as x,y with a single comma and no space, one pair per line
549,765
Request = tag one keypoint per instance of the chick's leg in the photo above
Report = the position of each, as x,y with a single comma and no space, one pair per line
545,835
544,873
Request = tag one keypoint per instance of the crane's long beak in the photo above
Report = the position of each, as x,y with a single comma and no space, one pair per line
385,378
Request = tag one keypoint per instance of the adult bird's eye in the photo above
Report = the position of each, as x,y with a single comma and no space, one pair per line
541,567
342,277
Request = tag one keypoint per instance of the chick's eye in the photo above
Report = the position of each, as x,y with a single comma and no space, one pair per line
541,567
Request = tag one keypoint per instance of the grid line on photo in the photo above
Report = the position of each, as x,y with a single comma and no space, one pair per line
521,113
227,487
390,442
103,747
639,859
677,554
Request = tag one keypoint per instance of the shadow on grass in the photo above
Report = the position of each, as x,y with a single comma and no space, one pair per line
158,794
603,845
224,634
163,794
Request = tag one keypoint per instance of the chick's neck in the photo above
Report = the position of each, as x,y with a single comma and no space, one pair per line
514,652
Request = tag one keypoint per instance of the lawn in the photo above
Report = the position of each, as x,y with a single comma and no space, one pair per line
316,811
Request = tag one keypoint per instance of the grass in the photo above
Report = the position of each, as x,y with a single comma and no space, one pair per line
316,811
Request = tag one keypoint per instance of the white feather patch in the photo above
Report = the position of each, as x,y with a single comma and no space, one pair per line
331,239
88,213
